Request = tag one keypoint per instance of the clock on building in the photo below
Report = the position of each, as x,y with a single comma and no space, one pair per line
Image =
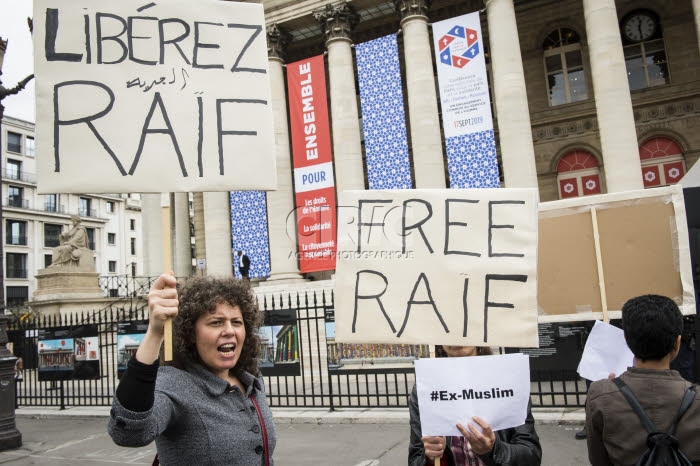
639,26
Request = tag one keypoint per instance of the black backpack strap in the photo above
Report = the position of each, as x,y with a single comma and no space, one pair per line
636,407
688,398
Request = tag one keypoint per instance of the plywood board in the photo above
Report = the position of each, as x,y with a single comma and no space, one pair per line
567,270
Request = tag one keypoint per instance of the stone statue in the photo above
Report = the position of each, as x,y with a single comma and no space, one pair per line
73,247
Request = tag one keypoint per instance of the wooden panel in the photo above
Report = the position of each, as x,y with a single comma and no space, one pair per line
639,251
567,271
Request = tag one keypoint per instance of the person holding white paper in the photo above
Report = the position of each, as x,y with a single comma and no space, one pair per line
478,445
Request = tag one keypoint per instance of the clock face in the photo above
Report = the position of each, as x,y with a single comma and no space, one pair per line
639,27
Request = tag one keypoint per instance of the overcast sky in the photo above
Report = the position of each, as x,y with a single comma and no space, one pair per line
18,61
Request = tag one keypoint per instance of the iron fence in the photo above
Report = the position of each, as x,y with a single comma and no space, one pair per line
306,367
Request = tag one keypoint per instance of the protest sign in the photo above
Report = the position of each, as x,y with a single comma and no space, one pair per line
152,97
606,352
452,390
453,267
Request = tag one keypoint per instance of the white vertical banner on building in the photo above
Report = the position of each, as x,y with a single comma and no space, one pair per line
466,107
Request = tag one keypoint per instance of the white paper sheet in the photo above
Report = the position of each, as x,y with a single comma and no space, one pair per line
452,390
605,352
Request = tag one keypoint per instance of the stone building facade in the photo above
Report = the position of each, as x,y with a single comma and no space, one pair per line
588,96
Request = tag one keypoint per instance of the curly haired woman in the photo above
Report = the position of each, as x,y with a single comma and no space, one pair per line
210,406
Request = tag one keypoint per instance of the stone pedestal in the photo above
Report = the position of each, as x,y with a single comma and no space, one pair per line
62,290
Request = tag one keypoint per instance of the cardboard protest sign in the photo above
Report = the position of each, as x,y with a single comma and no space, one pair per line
450,392
606,352
135,96
454,267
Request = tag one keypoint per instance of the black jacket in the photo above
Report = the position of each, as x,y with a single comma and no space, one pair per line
519,446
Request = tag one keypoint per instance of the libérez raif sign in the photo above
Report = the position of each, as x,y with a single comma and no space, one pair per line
163,96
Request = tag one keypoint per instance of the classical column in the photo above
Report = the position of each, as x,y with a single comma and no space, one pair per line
280,203
618,135
200,248
514,131
217,218
180,242
152,232
426,141
338,22
696,10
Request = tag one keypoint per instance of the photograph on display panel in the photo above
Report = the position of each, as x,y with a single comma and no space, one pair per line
129,337
279,340
357,355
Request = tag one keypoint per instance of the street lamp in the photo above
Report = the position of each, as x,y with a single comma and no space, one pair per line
10,437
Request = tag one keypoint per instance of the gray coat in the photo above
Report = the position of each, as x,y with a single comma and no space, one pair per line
195,420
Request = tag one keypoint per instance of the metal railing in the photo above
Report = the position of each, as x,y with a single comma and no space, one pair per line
59,209
16,272
88,213
15,201
19,175
306,369
16,240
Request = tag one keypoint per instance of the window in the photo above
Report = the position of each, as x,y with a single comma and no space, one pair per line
578,174
29,148
133,269
662,162
645,53
16,265
14,196
13,169
17,296
114,292
132,224
51,203
52,235
112,266
85,207
563,63
48,260
111,238
14,142
16,232
91,238
133,246
110,207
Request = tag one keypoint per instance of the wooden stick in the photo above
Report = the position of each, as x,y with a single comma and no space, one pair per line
599,263
436,460
168,336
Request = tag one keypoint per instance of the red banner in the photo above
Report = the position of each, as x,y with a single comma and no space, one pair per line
313,164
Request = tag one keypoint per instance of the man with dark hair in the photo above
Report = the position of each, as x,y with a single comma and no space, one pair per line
652,325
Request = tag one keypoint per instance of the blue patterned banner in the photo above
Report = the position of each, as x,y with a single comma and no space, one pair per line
465,103
249,231
383,116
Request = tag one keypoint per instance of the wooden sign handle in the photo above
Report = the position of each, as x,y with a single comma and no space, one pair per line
168,336
436,460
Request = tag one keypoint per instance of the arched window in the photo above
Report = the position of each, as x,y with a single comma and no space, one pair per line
563,65
645,54
662,162
578,174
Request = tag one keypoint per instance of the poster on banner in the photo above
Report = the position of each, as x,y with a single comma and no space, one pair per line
314,183
455,267
465,102
279,342
344,356
448,392
129,337
152,97
67,353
